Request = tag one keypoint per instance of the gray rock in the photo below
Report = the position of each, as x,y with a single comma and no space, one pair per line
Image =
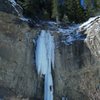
17,68
77,68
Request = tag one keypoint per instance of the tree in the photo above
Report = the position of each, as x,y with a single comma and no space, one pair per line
57,9
55,13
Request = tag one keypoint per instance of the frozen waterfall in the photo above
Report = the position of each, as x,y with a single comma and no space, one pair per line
45,61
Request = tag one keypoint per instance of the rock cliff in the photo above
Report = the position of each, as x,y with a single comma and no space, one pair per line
17,70
77,66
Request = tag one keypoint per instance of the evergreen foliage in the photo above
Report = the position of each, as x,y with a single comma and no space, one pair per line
57,9
55,13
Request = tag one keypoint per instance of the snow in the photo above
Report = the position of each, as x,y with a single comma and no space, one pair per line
45,60
74,32
68,30
88,23
24,19
70,39
49,24
52,23
14,4
70,34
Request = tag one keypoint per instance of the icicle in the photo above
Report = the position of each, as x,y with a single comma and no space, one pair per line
41,55
53,48
45,60
48,87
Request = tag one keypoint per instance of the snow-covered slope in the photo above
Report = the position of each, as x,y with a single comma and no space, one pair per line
71,34
74,32
88,23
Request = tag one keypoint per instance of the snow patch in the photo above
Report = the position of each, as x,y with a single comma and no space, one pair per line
71,34
69,29
88,23
14,4
24,19
52,23
74,32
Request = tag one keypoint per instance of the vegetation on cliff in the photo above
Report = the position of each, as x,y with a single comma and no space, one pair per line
58,9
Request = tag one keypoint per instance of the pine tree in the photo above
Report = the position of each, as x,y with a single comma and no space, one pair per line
55,13
75,11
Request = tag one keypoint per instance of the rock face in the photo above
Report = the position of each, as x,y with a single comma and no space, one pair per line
93,38
77,66
17,70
